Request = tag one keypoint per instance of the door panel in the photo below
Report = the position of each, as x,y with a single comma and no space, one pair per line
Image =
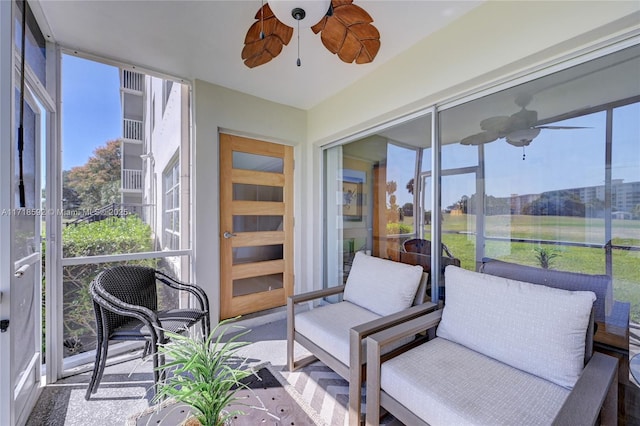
26,299
256,225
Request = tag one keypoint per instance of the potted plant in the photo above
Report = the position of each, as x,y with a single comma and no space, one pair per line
204,374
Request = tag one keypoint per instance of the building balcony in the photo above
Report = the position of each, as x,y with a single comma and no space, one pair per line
132,130
131,180
132,81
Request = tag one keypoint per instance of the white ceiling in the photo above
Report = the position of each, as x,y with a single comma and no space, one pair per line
203,40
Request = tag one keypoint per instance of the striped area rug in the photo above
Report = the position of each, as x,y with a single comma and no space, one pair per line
325,391
326,394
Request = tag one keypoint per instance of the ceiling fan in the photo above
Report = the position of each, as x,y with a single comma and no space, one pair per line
345,29
518,129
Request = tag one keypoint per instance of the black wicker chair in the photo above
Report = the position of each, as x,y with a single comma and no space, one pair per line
417,251
126,307
418,245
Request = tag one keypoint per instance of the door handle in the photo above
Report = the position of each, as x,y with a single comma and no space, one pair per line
228,234
21,270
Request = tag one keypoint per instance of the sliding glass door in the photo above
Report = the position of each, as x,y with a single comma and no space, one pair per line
545,173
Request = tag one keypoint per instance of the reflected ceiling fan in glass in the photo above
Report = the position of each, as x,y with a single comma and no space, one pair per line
518,129
345,29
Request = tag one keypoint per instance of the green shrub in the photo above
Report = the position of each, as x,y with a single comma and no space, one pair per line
110,236
545,256
395,228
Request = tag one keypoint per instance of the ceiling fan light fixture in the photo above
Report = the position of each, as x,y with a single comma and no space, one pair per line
522,138
305,13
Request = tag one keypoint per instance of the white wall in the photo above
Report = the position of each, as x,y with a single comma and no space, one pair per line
492,41
165,140
218,108
496,40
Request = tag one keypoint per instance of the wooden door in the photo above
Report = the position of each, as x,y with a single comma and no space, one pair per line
256,225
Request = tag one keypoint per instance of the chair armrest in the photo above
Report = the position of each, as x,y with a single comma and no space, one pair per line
371,327
317,294
141,313
360,332
596,389
125,309
194,289
408,328
376,342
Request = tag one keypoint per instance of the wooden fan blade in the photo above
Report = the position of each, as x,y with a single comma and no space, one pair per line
336,3
499,124
357,47
351,14
479,138
258,51
562,127
349,33
333,34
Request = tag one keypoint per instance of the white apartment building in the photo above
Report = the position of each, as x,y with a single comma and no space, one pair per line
155,155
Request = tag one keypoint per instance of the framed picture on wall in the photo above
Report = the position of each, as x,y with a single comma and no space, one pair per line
352,197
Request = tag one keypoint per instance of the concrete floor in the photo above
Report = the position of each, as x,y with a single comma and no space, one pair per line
126,387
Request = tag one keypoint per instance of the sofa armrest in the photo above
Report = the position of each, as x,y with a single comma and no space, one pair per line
317,294
359,333
291,322
408,328
363,330
595,390
379,340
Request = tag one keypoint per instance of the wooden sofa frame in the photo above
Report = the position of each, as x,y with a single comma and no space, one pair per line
594,394
355,371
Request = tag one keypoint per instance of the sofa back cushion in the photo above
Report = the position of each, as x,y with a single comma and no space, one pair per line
537,329
599,284
381,286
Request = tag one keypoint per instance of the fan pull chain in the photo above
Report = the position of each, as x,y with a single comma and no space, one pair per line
523,154
298,63
262,21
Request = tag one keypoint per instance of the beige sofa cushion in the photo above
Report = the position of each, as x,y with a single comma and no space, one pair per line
454,385
381,286
537,329
328,326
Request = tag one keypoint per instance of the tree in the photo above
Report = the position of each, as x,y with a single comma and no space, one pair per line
410,186
407,209
70,198
393,209
557,203
92,185
595,208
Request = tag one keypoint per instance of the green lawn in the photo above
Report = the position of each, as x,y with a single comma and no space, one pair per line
459,236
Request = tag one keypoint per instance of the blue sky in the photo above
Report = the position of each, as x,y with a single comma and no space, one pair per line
90,108
556,159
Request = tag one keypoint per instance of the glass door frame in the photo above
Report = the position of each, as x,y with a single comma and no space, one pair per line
477,172
58,366
40,100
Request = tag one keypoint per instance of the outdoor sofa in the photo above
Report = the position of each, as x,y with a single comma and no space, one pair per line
379,293
506,352
611,316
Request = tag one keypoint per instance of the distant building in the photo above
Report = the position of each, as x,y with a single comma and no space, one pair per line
132,98
625,196
156,156
621,215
